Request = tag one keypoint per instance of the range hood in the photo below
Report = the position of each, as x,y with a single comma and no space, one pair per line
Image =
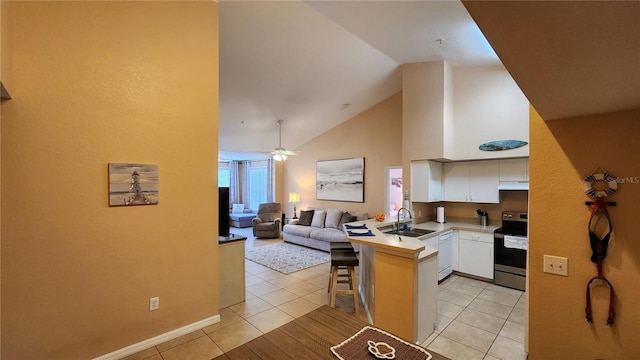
513,185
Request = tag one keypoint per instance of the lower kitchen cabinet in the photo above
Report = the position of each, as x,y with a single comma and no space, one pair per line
475,253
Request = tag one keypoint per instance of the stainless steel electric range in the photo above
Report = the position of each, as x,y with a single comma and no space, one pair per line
510,250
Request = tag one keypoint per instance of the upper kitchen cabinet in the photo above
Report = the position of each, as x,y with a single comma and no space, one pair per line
514,169
427,103
472,181
426,181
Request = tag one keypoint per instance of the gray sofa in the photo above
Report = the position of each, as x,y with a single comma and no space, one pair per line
325,227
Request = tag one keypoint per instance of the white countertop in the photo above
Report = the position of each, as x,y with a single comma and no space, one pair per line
410,246
398,245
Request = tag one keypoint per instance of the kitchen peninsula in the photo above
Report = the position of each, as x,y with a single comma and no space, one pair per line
398,282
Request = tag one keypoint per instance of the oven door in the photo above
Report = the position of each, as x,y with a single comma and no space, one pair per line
513,255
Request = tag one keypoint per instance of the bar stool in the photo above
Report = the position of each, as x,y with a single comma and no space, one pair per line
338,246
343,258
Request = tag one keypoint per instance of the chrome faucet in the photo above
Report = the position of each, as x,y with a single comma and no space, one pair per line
398,222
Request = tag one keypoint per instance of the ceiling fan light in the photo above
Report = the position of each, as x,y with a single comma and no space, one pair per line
279,157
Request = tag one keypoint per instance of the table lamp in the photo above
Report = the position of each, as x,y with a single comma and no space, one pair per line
294,198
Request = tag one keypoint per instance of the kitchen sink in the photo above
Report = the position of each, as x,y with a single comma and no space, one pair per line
410,232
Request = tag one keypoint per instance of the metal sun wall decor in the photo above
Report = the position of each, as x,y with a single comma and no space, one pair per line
340,180
499,145
133,184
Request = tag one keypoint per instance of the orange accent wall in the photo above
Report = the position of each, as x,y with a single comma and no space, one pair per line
93,83
562,153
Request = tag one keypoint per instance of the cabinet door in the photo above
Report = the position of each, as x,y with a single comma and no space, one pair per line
435,182
476,258
456,181
419,176
426,181
484,181
514,169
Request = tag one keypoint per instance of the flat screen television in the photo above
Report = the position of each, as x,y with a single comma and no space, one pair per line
223,211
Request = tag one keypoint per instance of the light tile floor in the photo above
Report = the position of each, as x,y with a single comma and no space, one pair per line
476,319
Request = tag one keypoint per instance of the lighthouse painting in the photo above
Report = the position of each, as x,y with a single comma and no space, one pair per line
133,184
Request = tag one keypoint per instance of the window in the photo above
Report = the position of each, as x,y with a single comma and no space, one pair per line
223,174
257,183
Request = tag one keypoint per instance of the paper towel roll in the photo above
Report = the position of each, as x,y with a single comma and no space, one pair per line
440,214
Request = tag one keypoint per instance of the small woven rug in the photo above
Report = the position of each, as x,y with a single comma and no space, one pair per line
286,258
357,346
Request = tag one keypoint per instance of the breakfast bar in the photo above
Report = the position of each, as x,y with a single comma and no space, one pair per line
398,281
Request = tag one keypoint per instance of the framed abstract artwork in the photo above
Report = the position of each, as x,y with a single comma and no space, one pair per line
340,180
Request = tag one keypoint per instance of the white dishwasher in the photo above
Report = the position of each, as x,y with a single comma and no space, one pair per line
445,254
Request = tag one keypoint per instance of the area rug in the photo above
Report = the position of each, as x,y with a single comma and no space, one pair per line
286,258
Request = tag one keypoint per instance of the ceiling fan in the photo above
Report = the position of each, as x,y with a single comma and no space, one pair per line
280,153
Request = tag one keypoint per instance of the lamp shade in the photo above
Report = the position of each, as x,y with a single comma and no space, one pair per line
294,197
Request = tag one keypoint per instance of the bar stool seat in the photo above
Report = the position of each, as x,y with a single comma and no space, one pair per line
342,245
344,259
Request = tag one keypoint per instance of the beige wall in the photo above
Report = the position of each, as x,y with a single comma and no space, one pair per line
563,152
93,83
375,134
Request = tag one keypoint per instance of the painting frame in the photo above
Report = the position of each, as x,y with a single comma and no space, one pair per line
133,184
340,180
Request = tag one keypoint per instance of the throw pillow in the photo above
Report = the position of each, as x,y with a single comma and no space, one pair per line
305,217
318,218
333,218
237,208
347,218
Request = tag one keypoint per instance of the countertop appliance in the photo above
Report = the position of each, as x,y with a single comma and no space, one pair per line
510,250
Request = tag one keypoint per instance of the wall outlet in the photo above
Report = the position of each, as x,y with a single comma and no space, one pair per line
154,303
556,265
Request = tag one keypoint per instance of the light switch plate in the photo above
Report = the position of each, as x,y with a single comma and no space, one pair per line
556,265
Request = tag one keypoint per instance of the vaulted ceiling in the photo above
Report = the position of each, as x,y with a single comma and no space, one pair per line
315,64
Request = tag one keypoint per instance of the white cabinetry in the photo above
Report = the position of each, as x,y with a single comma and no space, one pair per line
475,253
426,181
472,181
514,169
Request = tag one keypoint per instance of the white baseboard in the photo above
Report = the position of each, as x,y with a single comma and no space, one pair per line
143,345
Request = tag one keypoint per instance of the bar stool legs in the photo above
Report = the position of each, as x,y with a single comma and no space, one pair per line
348,260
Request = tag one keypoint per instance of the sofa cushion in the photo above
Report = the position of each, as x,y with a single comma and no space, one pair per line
328,234
237,208
333,218
298,230
318,218
305,217
347,218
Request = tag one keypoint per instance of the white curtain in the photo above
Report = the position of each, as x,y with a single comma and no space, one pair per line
234,183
